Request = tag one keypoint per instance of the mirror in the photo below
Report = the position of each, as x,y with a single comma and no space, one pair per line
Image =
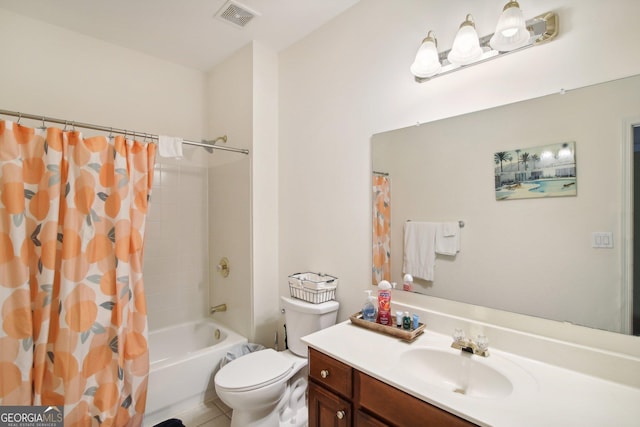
533,256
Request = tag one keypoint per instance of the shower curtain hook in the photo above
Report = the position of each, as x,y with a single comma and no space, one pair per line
19,118
65,126
43,126
110,134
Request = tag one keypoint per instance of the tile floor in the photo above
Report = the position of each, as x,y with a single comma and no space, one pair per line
213,413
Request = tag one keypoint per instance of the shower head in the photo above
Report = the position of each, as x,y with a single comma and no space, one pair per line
222,138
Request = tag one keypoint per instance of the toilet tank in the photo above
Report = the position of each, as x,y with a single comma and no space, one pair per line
303,318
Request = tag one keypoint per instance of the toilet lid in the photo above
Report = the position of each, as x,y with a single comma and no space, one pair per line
253,370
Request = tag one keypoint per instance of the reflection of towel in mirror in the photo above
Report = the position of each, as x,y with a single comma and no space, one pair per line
448,238
419,249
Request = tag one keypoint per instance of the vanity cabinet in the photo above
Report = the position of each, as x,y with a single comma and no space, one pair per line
327,409
340,395
330,391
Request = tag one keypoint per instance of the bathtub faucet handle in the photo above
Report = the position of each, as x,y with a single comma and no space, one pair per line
216,308
223,267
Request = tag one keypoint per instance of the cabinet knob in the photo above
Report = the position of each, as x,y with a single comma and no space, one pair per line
340,414
324,373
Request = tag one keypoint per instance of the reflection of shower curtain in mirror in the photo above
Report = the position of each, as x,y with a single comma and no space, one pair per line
73,330
381,228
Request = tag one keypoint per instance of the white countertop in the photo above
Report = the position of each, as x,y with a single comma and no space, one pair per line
543,394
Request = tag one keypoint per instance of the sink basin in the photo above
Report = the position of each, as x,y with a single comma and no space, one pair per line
455,371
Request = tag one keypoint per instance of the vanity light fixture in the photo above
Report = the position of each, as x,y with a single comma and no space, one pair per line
427,63
512,34
466,46
511,31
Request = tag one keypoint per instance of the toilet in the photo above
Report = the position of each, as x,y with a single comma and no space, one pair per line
267,388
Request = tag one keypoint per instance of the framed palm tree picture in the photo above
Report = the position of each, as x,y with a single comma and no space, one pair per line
544,171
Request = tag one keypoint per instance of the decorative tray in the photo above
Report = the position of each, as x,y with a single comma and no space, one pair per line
404,334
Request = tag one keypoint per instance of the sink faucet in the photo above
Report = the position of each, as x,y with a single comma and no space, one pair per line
480,346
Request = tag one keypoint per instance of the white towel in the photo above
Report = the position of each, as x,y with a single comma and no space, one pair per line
419,249
448,238
170,146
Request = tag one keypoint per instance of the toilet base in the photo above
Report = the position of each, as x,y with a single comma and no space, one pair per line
298,419
254,419
271,419
290,411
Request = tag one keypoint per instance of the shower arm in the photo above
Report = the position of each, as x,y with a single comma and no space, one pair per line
222,138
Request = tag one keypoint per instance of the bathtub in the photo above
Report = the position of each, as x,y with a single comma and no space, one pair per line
184,360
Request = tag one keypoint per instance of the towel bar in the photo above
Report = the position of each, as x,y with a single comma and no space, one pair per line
460,223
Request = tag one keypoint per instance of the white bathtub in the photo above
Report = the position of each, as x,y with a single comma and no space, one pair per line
184,360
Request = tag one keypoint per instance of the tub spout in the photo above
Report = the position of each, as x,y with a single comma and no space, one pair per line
216,308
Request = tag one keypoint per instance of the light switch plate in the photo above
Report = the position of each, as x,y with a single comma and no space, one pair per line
602,239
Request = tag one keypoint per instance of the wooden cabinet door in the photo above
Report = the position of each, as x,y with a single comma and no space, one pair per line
327,409
399,408
365,420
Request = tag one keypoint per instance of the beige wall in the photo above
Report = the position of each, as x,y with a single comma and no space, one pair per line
242,95
55,72
350,80
264,196
230,98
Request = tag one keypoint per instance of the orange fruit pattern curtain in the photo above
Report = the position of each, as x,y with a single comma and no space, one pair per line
381,229
73,316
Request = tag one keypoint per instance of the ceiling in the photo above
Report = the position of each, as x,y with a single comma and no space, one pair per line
185,32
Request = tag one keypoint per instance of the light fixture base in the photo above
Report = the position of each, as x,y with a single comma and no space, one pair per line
551,28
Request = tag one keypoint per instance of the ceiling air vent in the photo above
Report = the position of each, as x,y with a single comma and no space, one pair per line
236,14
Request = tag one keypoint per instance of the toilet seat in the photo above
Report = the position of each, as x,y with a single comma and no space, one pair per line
253,371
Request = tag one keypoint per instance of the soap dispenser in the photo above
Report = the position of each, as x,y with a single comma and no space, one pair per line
369,309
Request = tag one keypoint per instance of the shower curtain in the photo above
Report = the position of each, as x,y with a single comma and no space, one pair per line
73,316
381,228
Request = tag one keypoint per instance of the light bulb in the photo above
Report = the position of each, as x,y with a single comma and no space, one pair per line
466,46
511,31
427,62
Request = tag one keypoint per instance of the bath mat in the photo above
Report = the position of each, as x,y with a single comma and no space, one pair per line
172,422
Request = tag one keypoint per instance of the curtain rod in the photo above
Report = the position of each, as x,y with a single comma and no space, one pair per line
206,144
